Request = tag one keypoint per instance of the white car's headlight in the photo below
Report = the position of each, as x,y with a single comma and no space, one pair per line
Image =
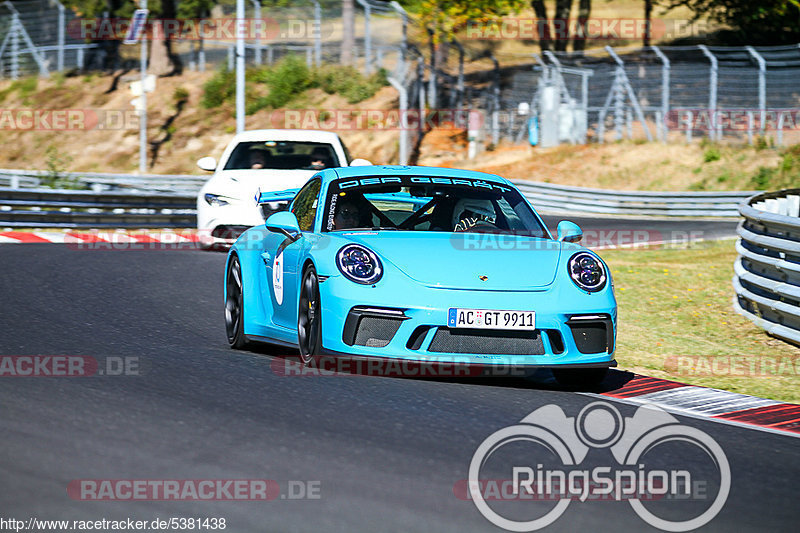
216,200
587,271
359,264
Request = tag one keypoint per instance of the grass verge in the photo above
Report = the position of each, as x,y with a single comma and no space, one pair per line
676,321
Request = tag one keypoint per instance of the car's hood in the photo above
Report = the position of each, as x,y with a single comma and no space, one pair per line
467,261
243,184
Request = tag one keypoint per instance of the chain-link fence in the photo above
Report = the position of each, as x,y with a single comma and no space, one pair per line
42,36
664,93
600,95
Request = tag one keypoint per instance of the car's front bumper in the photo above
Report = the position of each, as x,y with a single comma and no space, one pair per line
409,321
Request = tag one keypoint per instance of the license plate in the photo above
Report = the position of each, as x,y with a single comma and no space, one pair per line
491,319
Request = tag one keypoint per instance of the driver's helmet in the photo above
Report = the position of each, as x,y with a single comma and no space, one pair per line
473,210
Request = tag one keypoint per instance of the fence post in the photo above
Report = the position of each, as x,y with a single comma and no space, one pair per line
432,76
404,41
14,47
259,26
712,91
367,37
403,152
749,127
689,120
61,24
317,34
762,85
495,101
665,72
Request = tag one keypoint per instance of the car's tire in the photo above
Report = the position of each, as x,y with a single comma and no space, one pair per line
580,378
234,305
309,316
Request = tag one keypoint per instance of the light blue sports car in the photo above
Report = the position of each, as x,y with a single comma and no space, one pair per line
421,264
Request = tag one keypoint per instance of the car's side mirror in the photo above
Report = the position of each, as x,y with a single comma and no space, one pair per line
285,223
569,231
360,163
207,163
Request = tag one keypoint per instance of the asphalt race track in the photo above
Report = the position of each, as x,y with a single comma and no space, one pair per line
386,453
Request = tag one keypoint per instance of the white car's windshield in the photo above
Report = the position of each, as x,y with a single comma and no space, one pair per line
282,155
424,203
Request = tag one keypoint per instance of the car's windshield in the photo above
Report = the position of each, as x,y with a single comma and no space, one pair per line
282,155
424,203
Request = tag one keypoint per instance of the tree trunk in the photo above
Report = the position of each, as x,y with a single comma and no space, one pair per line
542,24
348,32
584,12
648,15
561,24
162,61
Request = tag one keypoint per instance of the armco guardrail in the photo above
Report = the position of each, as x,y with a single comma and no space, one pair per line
767,271
567,199
178,183
48,208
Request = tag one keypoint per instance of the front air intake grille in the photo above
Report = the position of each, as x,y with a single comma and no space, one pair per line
592,333
376,332
374,327
452,340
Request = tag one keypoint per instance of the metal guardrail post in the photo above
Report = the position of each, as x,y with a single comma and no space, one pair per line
401,67
665,74
624,84
762,85
712,90
689,121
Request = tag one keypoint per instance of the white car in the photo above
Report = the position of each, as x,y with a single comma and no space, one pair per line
265,160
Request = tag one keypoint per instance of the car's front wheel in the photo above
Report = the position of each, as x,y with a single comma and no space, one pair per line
309,323
234,305
580,378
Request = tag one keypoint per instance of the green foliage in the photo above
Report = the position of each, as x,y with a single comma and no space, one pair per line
785,175
349,83
712,154
447,17
56,163
288,79
219,88
761,22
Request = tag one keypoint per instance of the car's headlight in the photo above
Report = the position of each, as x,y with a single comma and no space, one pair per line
587,271
359,264
216,200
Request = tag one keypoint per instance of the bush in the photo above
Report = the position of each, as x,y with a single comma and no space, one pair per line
711,155
349,82
219,89
785,175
